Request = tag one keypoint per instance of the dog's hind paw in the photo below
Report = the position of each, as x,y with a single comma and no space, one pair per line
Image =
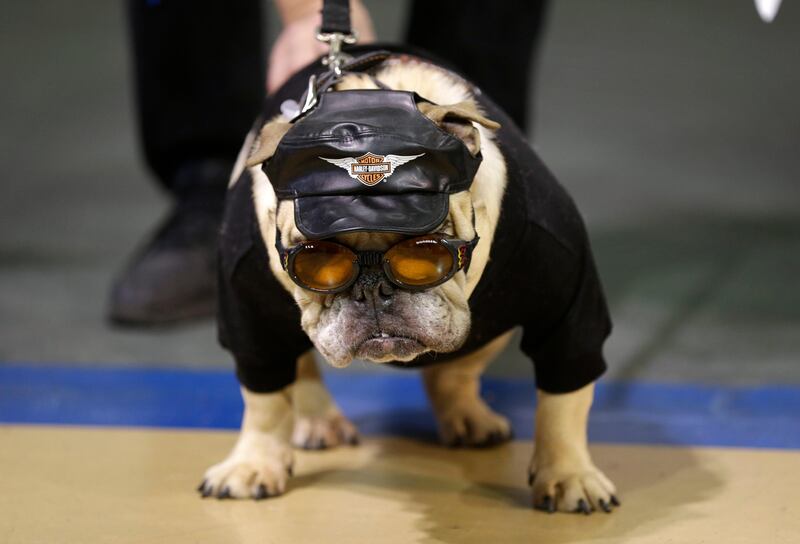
254,470
316,433
318,422
472,424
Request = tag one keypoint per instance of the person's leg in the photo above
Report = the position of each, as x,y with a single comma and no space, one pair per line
199,69
492,43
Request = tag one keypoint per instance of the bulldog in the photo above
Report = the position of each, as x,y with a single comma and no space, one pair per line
404,219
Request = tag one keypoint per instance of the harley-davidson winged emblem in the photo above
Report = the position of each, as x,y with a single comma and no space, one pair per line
371,169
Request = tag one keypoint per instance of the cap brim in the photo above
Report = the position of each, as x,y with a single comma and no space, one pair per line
319,217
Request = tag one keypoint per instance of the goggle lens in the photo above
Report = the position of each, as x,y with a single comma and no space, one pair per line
419,262
324,266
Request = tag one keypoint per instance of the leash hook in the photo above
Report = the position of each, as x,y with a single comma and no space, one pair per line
336,57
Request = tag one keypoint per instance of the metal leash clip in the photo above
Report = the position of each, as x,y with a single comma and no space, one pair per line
334,60
336,57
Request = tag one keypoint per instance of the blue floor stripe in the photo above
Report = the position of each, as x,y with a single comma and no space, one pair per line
394,403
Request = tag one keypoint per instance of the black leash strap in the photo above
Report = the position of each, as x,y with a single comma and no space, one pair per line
336,16
336,32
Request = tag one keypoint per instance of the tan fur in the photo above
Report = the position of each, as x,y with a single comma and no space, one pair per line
268,140
457,119
262,455
454,392
463,110
266,203
561,465
250,141
318,421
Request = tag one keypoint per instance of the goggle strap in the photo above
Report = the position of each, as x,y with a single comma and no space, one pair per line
469,247
471,244
282,252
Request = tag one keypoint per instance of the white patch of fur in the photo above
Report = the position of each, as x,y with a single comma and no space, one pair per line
328,339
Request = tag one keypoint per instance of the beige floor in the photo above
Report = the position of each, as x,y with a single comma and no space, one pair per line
115,486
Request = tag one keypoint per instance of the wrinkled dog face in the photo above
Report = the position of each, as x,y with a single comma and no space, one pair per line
375,319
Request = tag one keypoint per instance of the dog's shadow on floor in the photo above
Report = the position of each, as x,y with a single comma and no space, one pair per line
481,495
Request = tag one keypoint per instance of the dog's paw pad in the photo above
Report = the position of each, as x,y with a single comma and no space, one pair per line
317,433
580,491
473,424
241,478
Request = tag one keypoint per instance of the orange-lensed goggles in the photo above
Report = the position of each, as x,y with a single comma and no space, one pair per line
415,264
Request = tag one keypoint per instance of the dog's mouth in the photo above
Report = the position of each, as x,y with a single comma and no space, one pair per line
383,347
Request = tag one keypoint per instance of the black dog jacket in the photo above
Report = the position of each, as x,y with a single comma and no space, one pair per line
540,276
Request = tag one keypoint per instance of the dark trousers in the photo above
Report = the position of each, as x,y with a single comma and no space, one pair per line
491,43
199,68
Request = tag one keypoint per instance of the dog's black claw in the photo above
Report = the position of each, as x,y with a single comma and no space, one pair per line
604,506
615,501
500,438
225,493
202,486
531,478
547,505
495,439
261,492
207,491
290,470
583,507
457,442
354,440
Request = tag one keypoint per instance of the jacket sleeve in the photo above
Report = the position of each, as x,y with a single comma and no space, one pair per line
567,350
257,321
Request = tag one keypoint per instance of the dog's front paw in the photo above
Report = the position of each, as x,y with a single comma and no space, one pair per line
471,423
571,487
320,432
258,467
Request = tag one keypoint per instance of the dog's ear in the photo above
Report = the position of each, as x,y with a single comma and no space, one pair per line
457,120
268,140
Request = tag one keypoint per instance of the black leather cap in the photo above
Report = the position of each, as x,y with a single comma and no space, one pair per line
369,160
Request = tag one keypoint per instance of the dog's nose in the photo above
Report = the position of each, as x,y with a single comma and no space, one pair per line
373,286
